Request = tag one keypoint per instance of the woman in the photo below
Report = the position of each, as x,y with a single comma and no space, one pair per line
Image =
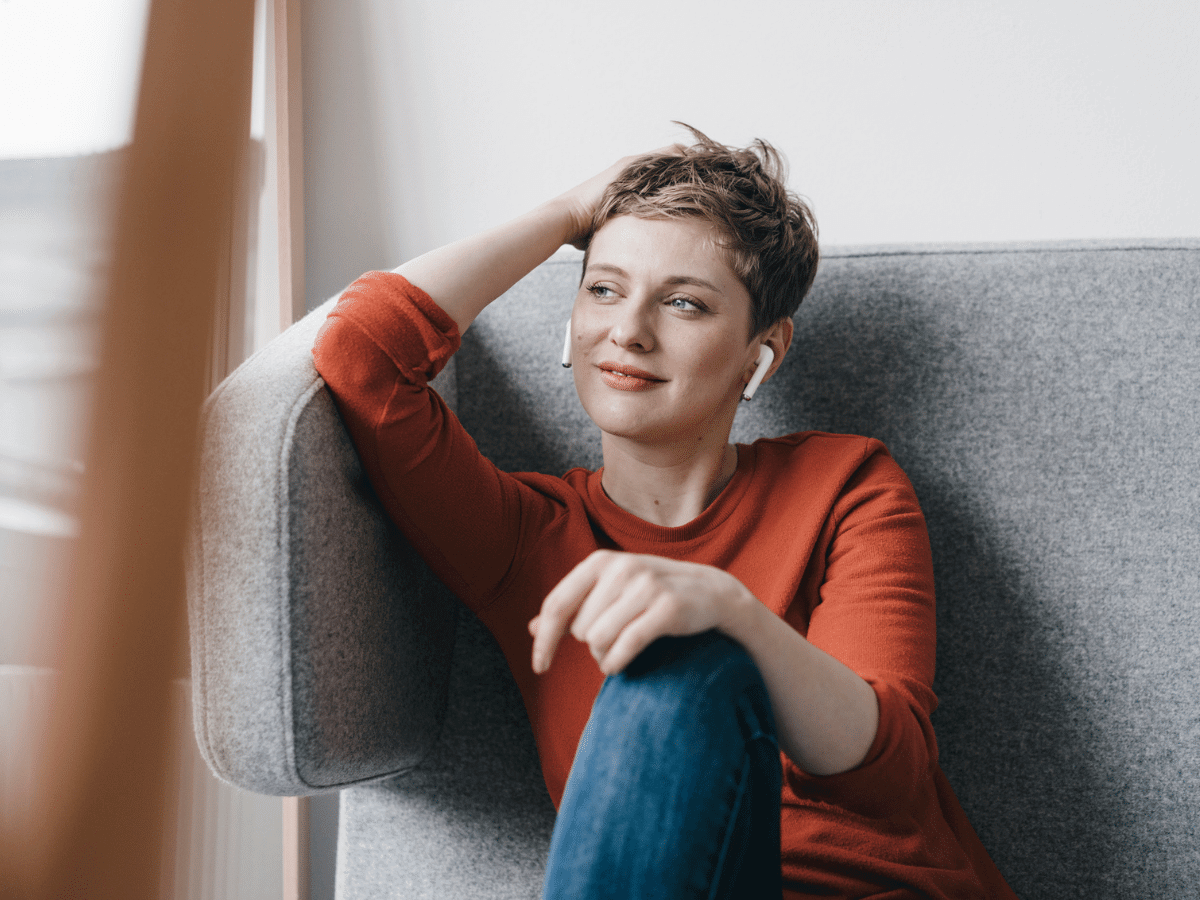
763,614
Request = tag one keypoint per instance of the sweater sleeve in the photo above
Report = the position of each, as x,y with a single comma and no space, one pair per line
876,614
382,343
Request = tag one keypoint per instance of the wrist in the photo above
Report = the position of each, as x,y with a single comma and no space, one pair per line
743,614
567,219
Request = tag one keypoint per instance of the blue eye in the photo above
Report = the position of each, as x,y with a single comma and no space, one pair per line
600,291
685,304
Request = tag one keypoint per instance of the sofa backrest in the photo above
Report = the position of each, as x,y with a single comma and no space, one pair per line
1045,401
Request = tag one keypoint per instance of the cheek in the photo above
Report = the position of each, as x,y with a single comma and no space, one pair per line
719,363
586,333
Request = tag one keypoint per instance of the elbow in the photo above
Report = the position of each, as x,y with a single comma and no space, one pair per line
842,742
849,740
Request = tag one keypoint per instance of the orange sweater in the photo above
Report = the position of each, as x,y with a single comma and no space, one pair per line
824,529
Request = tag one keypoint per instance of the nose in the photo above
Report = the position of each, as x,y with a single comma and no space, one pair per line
631,328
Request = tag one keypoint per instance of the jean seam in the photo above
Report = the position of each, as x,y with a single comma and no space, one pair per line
730,827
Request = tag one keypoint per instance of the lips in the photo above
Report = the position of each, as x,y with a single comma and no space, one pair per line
627,378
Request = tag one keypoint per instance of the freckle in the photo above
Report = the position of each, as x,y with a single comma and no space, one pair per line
656,503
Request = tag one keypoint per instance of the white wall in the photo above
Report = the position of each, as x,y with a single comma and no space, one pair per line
903,121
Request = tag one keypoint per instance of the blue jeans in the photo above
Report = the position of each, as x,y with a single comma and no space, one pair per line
674,791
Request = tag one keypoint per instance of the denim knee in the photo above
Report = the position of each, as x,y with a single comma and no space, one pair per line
676,783
697,683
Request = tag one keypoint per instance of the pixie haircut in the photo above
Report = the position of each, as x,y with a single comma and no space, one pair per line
768,233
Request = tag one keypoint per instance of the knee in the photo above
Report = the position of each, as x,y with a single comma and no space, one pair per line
708,657
696,683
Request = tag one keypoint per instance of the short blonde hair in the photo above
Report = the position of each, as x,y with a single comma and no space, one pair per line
769,233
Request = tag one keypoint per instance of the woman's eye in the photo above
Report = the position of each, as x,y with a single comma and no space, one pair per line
600,291
685,304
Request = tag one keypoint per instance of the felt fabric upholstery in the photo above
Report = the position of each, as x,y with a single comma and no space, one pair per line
473,819
320,641
1044,399
1045,402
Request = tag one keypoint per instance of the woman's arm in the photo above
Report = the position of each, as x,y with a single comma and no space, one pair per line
464,277
387,336
618,603
825,714
849,671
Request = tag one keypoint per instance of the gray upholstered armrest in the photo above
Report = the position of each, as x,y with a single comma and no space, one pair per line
320,642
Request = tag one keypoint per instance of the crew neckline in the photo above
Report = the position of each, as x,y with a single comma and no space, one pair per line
616,519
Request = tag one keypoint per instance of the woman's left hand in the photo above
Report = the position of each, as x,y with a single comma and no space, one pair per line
619,603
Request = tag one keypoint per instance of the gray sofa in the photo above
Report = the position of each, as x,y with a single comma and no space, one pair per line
1043,398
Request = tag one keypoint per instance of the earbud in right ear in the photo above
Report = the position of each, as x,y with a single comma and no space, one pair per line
766,356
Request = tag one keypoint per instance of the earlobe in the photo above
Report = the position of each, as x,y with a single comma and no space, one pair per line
766,356
566,356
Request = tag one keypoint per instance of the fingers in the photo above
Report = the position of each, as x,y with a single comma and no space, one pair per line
618,603
559,608
621,594
636,636
626,161
620,578
585,197
593,602
675,149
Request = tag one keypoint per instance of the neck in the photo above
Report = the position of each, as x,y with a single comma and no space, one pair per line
665,486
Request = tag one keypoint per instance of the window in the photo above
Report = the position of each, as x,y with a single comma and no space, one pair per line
69,71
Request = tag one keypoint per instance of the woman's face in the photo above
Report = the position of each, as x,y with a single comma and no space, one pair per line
661,332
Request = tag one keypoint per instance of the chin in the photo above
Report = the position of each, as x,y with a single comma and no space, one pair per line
624,425
653,416
649,425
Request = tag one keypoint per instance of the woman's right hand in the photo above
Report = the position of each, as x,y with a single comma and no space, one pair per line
464,277
581,201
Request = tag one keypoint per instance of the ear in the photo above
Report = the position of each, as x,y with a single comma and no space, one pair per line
779,338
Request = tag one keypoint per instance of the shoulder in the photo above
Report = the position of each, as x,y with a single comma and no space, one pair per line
839,468
548,503
818,450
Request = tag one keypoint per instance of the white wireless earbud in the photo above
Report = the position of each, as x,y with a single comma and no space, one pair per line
566,359
766,356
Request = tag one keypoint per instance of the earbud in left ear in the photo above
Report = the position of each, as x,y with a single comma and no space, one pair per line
566,357
766,356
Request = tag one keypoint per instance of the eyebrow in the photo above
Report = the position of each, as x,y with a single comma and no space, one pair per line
674,279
